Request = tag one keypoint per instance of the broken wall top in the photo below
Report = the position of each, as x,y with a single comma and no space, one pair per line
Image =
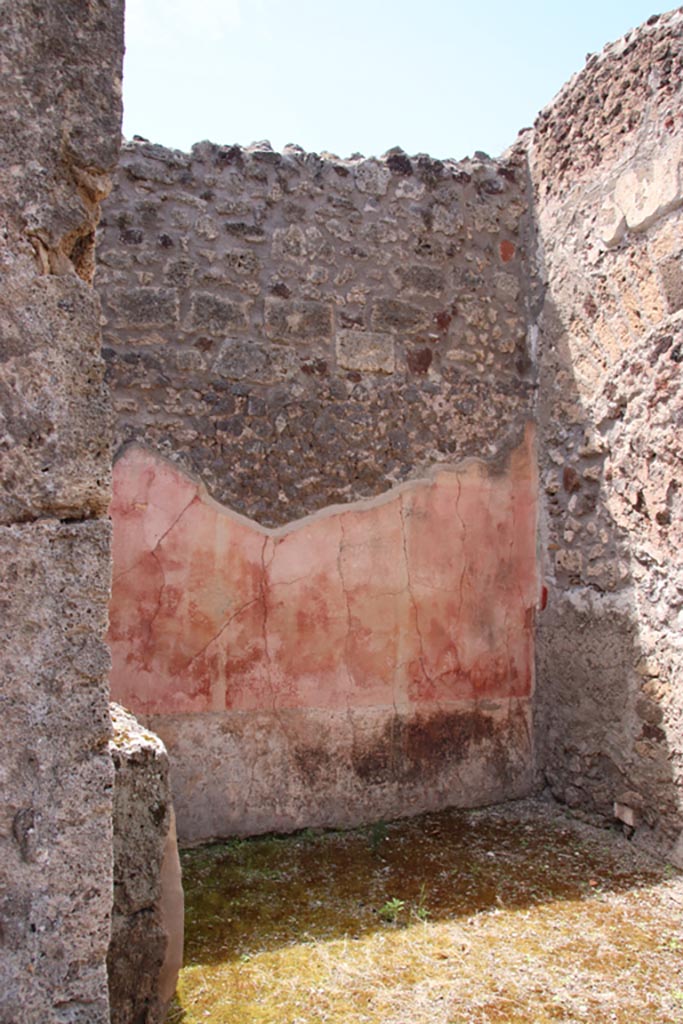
301,331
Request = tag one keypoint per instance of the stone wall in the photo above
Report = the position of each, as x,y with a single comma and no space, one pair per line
607,163
304,333
59,138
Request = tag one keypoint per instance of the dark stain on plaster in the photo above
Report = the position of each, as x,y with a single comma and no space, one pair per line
421,747
429,741
313,764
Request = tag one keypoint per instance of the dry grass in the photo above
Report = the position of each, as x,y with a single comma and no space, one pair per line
514,914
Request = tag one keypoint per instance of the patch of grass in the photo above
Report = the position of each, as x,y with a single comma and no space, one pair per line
391,910
420,910
505,916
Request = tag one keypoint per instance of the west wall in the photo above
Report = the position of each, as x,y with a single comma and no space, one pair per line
336,351
59,138
606,159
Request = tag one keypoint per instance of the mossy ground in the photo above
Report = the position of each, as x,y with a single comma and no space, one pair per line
512,914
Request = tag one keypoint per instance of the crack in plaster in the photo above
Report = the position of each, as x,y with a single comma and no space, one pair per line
195,497
411,595
349,618
289,583
220,632
153,550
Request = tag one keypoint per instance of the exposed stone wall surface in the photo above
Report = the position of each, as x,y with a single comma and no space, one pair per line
301,330
59,137
145,952
607,164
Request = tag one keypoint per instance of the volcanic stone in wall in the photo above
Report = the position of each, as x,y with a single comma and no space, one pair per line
627,88
301,331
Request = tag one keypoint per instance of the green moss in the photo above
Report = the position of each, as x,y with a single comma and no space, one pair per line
500,916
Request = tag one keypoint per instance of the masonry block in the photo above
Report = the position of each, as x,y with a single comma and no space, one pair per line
367,351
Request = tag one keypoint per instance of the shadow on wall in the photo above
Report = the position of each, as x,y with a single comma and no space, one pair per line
609,707
607,713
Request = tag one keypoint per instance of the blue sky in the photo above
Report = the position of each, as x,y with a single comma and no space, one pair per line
438,76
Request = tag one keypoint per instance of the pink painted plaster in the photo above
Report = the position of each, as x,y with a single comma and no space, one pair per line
422,596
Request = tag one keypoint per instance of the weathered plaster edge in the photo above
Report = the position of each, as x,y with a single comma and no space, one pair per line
495,465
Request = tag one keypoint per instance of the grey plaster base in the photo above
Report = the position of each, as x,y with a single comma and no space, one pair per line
242,774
